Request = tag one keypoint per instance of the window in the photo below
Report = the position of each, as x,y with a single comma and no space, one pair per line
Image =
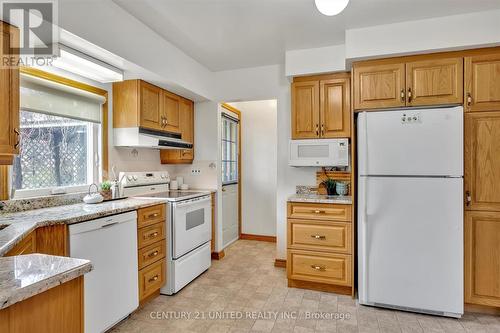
229,150
60,140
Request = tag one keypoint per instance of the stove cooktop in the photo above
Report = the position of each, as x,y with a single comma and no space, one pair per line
177,194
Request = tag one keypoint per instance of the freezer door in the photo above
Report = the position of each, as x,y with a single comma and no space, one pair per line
411,142
410,243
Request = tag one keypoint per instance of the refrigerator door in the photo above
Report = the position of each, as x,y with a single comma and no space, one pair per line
410,243
426,142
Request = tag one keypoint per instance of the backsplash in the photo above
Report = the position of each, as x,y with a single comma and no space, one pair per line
21,205
306,189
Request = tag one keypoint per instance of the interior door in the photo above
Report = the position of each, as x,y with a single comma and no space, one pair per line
230,227
435,82
482,160
379,86
150,113
482,83
482,250
335,108
305,110
410,242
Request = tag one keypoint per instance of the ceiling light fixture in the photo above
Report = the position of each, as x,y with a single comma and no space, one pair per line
331,7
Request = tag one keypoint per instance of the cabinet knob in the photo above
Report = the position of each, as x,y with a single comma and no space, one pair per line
469,99
18,138
468,198
403,96
322,130
154,278
317,129
410,96
318,237
154,254
318,268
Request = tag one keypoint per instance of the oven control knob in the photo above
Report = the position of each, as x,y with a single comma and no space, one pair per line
129,178
135,178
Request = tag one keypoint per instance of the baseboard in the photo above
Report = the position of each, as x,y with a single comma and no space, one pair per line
218,255
280,263
481,309
271,239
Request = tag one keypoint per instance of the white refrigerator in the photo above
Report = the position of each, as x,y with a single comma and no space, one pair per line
410,210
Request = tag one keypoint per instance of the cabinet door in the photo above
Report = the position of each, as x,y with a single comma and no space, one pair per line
482,160
435,82
379,86
170,112
9,96
305,110
150,114
187,127
335,108
482,83
482,253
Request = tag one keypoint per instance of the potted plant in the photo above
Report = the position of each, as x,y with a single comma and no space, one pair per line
106,190
330,186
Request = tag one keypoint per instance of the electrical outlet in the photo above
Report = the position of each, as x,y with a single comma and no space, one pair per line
195,172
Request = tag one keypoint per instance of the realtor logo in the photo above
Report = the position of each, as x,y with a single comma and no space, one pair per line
37,25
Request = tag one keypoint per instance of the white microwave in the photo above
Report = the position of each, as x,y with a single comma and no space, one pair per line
319,152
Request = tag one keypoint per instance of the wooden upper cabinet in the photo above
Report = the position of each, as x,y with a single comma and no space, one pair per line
482,83
9,96
186,121
482,161
150,100
335,108
482,253
170,118
305,110
379,86
433,82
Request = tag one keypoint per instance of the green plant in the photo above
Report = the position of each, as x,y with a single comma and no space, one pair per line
329,185
106,185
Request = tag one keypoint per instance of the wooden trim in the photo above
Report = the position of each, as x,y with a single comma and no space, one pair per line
262,238
240,185
218,255
4,182
344,290
280,263
321,77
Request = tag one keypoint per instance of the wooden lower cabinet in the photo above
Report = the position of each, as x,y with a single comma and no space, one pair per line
51,240
151,251
320,247
482,258
25,246
57,310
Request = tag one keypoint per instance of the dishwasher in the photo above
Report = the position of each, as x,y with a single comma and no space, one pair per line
111,288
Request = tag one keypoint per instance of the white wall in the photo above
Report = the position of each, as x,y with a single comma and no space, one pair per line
259,161
315,60
430,35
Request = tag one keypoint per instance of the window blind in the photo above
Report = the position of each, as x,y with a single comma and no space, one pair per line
43,96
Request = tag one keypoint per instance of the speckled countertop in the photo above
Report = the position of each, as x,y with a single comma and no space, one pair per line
321,198
22,223
25,276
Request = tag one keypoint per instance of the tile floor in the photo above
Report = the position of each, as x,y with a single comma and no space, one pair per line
245,283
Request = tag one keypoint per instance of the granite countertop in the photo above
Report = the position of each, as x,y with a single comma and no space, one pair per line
28,275
22,223
321,198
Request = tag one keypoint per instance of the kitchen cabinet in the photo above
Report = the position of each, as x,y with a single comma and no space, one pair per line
151,251
51,240
9,96
321,107
26,246
137,103
482,161
399,83
482,82
482,253
186,125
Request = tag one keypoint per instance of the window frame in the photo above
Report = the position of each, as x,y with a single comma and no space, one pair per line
102,167
228,119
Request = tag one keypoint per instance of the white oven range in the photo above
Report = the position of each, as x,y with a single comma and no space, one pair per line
189,225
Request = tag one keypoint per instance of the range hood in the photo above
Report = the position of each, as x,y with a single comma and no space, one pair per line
138,137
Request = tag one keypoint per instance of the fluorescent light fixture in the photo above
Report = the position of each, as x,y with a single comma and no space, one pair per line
331,7
84,65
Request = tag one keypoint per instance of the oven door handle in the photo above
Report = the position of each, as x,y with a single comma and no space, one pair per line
193,201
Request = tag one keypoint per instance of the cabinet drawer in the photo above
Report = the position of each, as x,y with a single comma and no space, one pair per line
151,279
319,267
150,215
320,235
152,253
331,212
151,234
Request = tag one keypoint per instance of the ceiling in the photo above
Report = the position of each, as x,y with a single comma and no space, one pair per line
230,34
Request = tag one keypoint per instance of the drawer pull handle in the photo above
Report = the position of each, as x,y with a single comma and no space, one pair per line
318,268
153,215
153,235
318,237
153,254
317,211
153,279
